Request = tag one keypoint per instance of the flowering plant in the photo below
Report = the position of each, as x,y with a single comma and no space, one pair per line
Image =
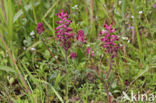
63,31
108,40
40,28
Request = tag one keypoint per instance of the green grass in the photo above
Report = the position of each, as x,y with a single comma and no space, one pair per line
34,76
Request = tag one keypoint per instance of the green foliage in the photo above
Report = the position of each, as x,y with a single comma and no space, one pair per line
46,78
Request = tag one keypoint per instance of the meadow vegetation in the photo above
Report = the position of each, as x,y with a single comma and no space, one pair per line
77,51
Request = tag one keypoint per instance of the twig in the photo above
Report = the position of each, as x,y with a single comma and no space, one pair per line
106,78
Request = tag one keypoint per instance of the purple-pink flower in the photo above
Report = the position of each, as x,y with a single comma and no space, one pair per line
80,36
109,40
73,55
63,31
108,29
154,5
132,27
90,51
40,28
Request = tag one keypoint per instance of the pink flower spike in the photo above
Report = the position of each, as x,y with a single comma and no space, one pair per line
73,55
40,28
109,40
63,31
80,36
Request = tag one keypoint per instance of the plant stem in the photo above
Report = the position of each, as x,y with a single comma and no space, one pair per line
66,76
105,85
110,68
16,67
107,91
52,55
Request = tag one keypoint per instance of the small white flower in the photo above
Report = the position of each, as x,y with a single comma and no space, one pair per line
32,33
33,49
75,7
125,38
56,57
24,48
120,2
96,17
132,17
128,41
140,12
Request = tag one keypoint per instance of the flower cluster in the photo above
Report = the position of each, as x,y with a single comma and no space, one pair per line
40,28
109,40
73,55
80,36
90,51
154,5
63,31
65,34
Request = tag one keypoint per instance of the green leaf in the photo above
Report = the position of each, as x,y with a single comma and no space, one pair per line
80,55
142,72
7,69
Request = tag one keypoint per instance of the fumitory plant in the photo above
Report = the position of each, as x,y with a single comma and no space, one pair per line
65,35
81,37
49,55
109,43
63,31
